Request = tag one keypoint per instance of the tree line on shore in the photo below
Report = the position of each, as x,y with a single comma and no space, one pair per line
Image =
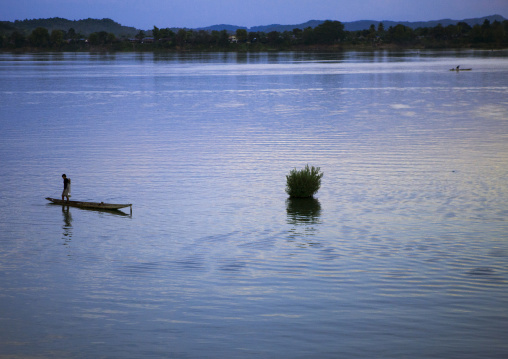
329,34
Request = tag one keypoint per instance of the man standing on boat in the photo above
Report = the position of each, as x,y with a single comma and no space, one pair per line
67,187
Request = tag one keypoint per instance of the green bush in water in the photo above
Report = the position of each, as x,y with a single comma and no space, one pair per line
303,183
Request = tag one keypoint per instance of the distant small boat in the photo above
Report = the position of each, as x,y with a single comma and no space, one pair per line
91,205
457,69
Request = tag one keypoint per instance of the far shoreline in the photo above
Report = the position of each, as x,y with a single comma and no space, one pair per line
251,49
329,36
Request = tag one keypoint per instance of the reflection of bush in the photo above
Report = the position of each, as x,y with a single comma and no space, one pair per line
303,210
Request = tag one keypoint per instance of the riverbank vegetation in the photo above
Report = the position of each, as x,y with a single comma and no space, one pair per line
330,35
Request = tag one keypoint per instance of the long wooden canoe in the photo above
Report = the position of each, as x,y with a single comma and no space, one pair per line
461,69
94,205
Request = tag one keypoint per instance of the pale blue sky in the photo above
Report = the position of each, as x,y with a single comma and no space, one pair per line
144,14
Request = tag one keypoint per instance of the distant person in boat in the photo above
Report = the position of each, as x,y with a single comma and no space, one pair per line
67,187
457,68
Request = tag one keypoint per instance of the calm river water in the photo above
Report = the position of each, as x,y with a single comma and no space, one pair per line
403,253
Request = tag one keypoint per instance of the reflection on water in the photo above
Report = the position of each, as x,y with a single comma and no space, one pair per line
303,210
67,227
303,214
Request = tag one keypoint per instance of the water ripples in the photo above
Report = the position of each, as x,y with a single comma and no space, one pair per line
403,245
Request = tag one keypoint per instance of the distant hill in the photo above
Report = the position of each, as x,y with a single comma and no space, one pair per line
85,27
365,24
265,28
282,28
229,28
358,25
88,26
